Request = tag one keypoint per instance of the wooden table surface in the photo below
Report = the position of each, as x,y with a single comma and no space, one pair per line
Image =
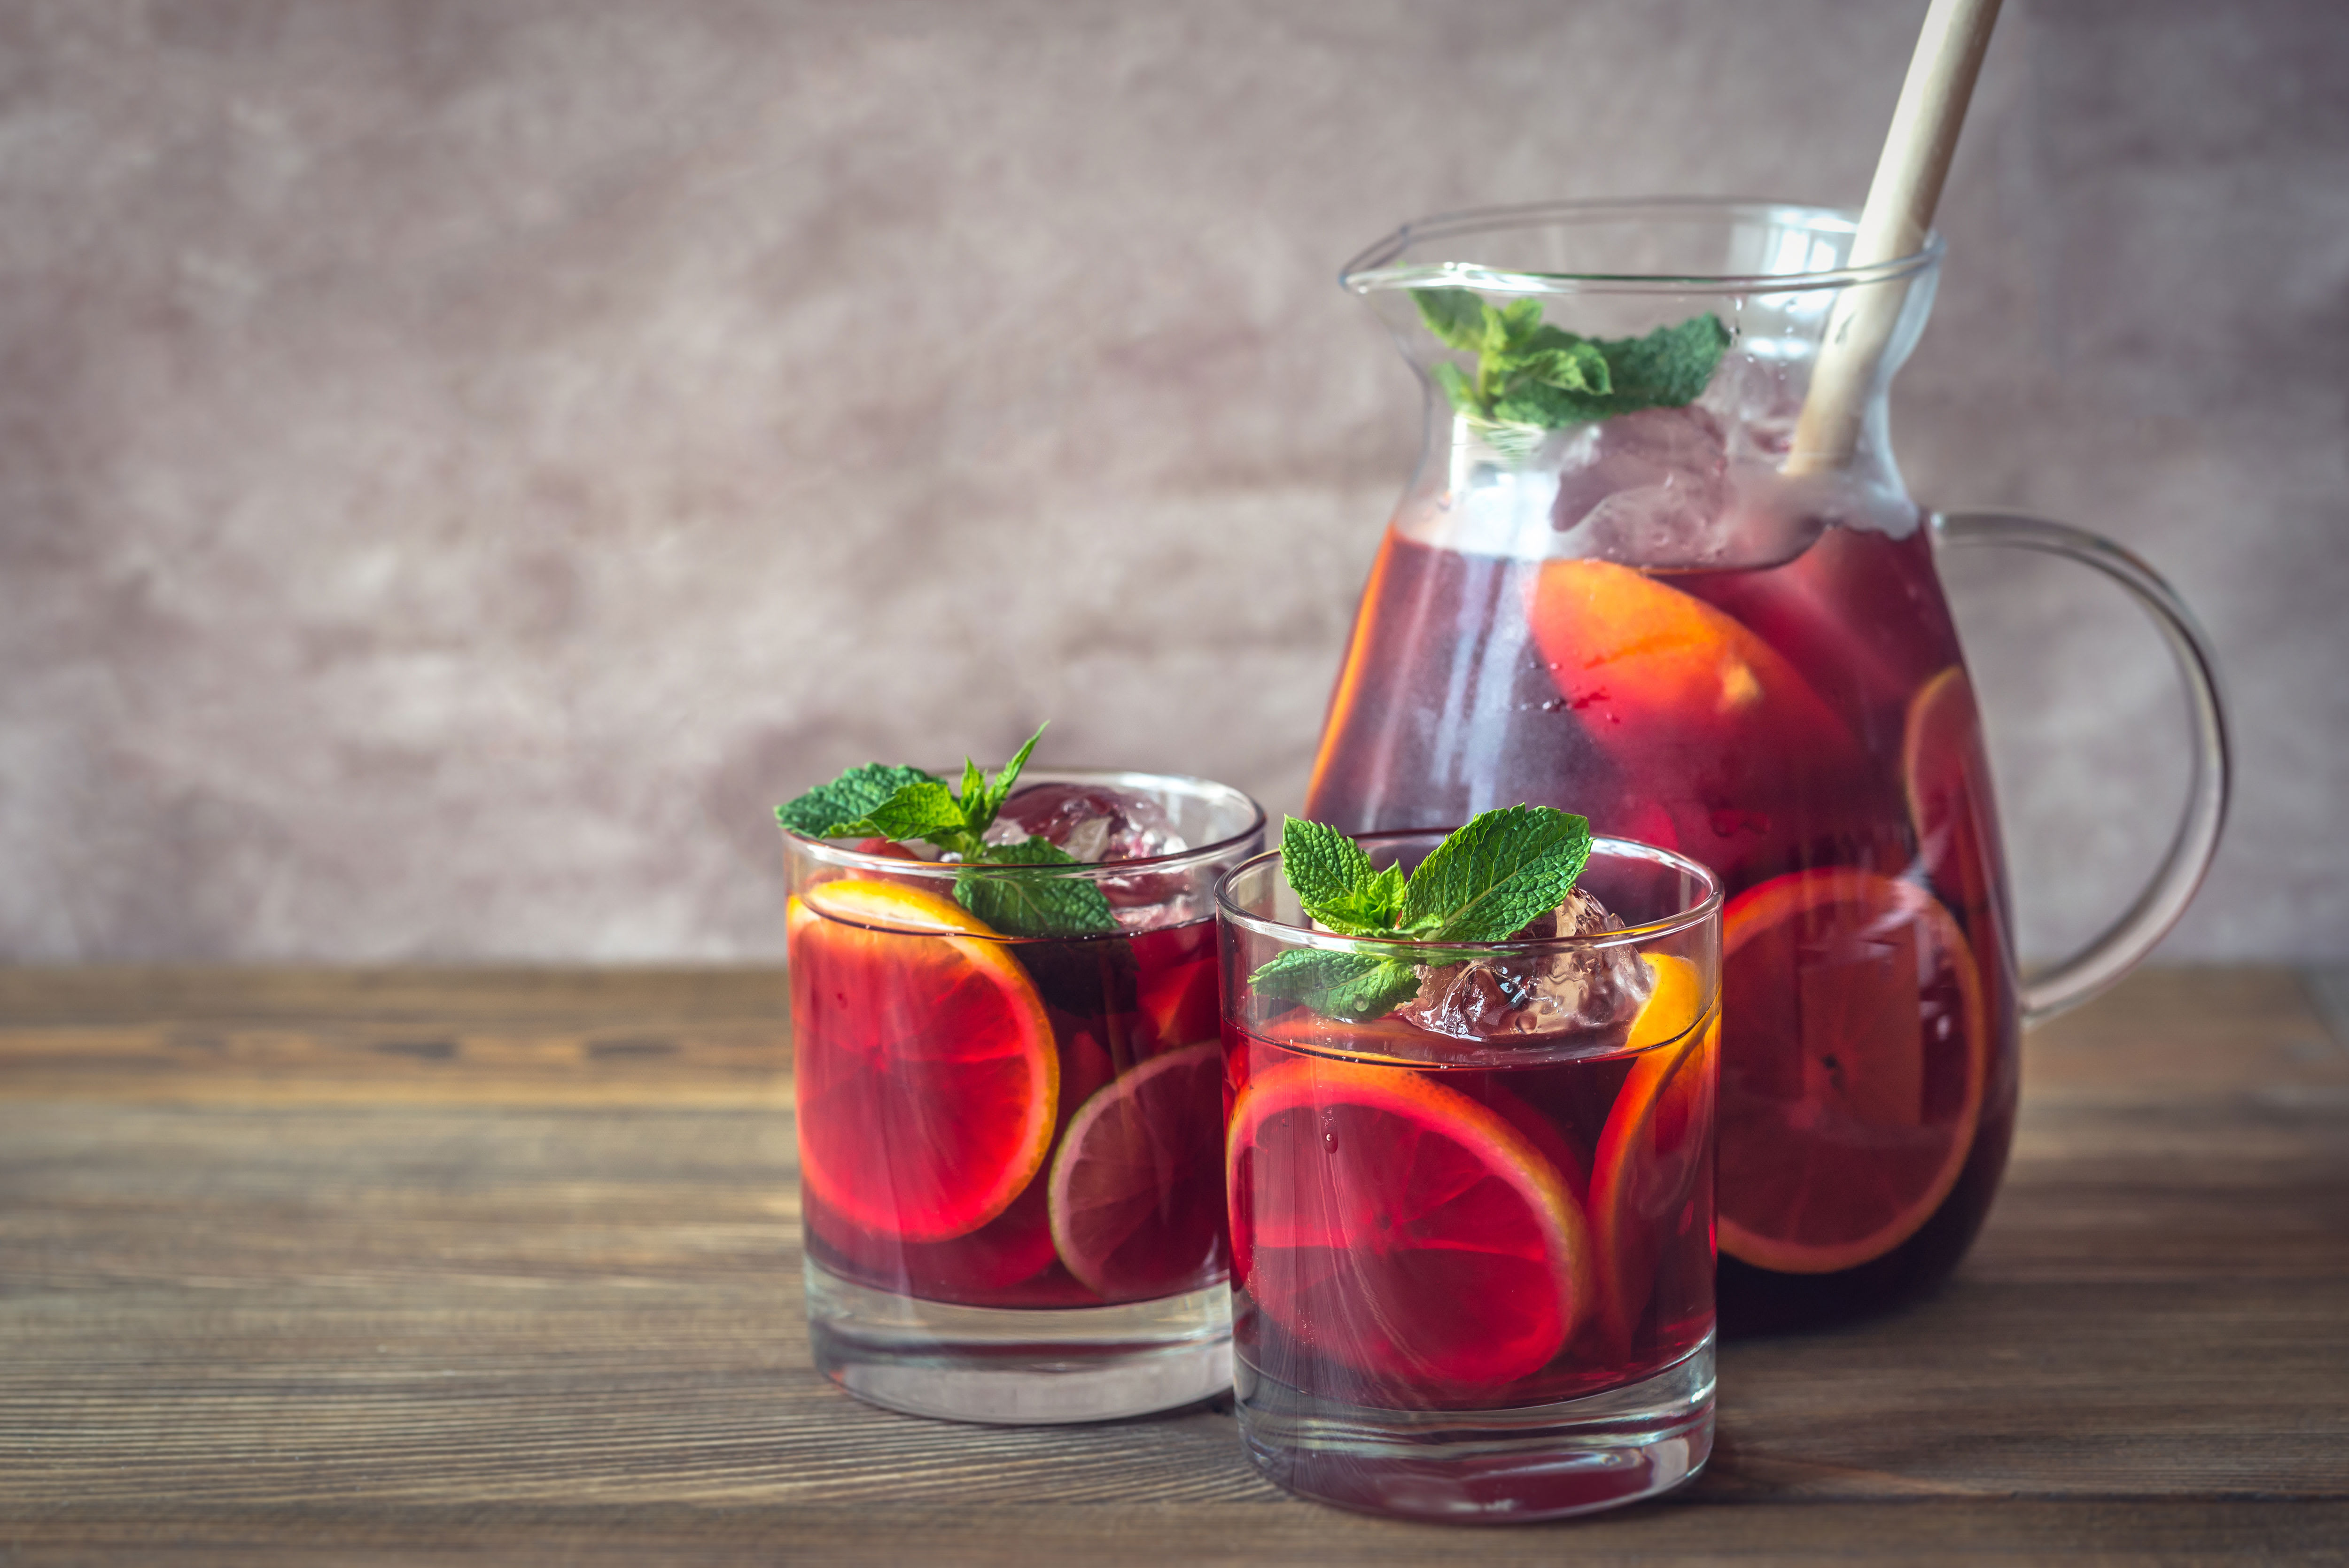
393,1265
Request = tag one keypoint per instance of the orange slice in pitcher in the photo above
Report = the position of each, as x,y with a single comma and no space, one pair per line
1136,1207
1942,764
1852,1068
1645,665
1651,1159
1715,731
1400,1227
924,1065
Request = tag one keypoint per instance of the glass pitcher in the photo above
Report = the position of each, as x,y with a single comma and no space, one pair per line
1635,578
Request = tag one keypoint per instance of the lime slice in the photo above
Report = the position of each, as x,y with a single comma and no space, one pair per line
1136,1197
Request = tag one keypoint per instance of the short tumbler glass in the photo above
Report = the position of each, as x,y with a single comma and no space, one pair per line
1010,1148
1472,1274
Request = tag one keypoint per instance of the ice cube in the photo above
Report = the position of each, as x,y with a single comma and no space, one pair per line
1098,824
1646,489
1091,821
1575,990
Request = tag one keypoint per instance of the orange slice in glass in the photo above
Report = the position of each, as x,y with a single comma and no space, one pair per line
924,1064
1651,1159
1400,1227
1852,1068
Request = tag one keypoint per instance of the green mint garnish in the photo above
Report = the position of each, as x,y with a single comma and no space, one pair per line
1349,986
1485,882
1030,905
1334,882
847,799
1532,378
906,805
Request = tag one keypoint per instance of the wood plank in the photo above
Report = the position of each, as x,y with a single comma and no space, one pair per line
2186,1032
1935,1532
511,1037
536,1324
460,994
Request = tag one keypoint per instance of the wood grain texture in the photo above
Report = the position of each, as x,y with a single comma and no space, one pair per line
277,1282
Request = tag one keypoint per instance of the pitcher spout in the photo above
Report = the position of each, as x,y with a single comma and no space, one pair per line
1639,382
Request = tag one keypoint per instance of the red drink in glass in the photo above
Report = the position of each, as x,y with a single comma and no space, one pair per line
1010,1147
1473,1277
1132,1015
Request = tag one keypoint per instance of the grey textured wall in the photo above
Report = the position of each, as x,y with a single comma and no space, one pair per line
460,463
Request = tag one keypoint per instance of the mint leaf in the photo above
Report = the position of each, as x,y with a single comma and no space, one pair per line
925,808
1455,315
1486,881
1351,986
1578,367
1668,367
1334,883
1320,862
973,796
1548,407
1532,376
1030,903
1377,992
1461,391
1005,885
1509,329
999,790
1370,910
829,811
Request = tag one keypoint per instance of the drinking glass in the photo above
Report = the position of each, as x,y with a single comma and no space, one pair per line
1010,1147
1473,1265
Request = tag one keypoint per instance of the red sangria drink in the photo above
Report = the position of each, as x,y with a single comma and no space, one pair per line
1617,585
1806,729
1471,1177
1008,1078
1658,565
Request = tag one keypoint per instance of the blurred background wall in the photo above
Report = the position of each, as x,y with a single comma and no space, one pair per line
460,464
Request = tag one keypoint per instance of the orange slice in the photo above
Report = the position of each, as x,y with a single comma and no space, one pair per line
1852,1070
1651,1164
927,1079
998,1264
1400,1227
1136,1209
977,1269
1726,740
1646,665
1948,778
1177,998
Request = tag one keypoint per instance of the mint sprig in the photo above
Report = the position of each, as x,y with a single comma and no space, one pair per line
1485,882
1532,377
906,805
849,799
1349,986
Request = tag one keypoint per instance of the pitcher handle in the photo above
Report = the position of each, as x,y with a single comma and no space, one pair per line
2128,939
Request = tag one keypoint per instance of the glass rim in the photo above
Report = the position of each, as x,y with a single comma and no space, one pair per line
1373,270
1687,919
830,852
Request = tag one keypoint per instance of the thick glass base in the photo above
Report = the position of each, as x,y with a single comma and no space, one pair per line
1019,1366
1485,1467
